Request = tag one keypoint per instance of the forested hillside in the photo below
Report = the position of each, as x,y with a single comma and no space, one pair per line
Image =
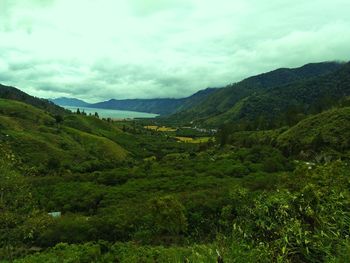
233,102
327,130
301,98
212,107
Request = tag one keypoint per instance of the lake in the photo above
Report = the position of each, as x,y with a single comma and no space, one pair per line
114,114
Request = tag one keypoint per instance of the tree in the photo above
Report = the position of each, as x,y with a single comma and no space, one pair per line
59,119
224,135
53,164
293,115
168,216
20,221
317,142
147,167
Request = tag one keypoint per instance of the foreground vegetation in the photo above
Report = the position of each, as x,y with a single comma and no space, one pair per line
248,202
74,188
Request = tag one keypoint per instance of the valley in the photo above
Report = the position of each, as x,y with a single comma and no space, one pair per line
257,178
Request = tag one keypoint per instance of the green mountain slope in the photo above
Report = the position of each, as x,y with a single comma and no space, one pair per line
326,133
40,140
225,104
304,97
329,129
11,93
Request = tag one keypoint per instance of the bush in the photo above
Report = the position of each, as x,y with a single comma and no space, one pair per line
299,225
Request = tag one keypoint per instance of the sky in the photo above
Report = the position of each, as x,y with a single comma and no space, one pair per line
101,49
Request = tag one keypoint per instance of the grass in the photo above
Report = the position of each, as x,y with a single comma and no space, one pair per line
24,112
36,138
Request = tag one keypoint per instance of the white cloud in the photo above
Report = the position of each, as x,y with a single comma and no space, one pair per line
161,48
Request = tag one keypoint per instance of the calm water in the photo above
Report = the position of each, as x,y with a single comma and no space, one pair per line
115,114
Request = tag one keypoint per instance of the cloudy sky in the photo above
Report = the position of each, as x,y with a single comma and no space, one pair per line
101,49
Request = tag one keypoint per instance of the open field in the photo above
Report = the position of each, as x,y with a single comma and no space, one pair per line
193,140
160,128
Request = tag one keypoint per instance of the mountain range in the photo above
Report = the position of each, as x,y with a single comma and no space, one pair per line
269,100
164,106
265,95
64,101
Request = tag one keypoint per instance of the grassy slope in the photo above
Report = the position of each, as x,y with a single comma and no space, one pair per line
328,131
35,136
330,128
11,93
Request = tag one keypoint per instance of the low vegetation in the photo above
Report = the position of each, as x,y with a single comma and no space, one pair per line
138,191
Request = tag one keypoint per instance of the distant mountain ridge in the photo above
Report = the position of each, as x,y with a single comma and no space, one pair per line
162,106
212,106
267,96
229,104
64,101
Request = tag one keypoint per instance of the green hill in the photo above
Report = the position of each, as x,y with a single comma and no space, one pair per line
230,103
323,134
304,97
11,93
327,130
39,140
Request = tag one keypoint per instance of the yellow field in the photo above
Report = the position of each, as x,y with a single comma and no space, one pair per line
179,138
158,128
191,140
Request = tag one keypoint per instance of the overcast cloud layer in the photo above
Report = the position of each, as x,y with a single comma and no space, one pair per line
101,49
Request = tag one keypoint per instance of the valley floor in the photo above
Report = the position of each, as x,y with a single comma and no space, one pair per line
126,193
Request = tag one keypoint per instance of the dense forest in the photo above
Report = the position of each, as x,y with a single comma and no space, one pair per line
271,182
272,98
